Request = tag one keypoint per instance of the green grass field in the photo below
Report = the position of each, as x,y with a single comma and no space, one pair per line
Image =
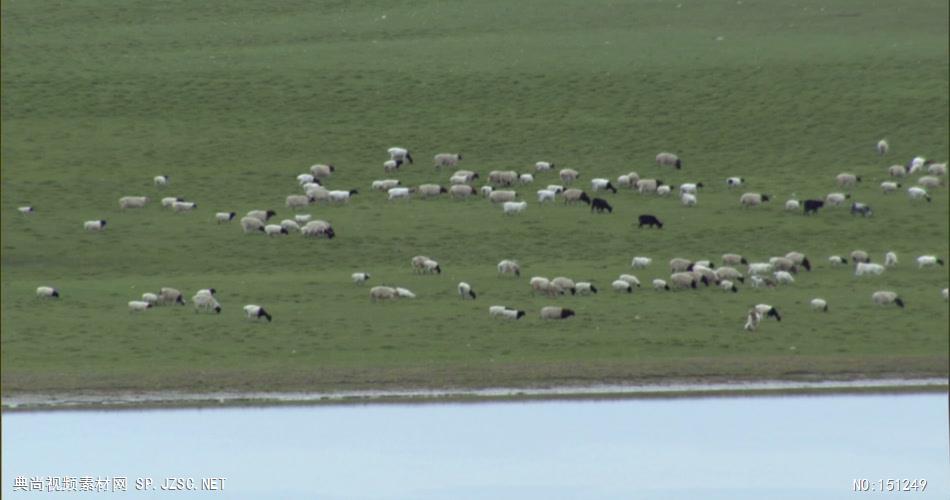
233,99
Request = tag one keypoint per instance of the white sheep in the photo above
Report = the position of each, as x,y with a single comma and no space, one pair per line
468,175
525,178
289,225
863,268
663,190
602,184
734,181
223,217
304,179
151,298
391,165
458,180
629,278
94,225
385,184
509,266
256,312
792,205
562,285
928,261
461,191
430,190
359,278
753,199
847,179
688,199
683,280
929,181
320,171
621,286
897,171
760,268
398,193
399,155
161,180
25,210
465,291
318,229
889,187
860,256
568,175
502,196
543,166
575,195
132,201
659,284
937,169
729,273
405,293
890,259
206,302
767,311
882,147
819,305
917,193
728,286
446,159
553,312
916,164
430,266
274,230
47,292
542,285
945,293
378,293
514,207
585,288
296,201
486,191
505,313
342,196
752,320
546,195
251,224
678,265
641,262
170,296
184,206
302,218
138,305
668,160
784,277
883,298
836,199
503,178
261,215
733,259
557,188
169,201
837,260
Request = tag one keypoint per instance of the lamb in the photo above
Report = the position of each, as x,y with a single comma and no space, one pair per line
151,298
683,280
385,184
883,298
897,171
161,180
461,191
546,195
170,296
486,191
430,190
568,175
322,171
526,178
882,147
47,292
645,186
405,293
649,220
688,199
25,210
446,159
664,190
631,279
733,259
799,259
659,284
767,311
784,277
600,204
574,195
890,259
224,217
792,205
543,166
256,312
94,225
290,225
360,278
819,305
847,180
132,202
505,313
862,209
318,229
555,187
917,193
508,266
889,187
837,260
600,183
378,293
398,193
502,196
860,256
734,181
391,165
274,230
138,305
928,261
585,288
929,181
251,224
553,312
561,285
261,215
728,286
812,206
868,268
399,155
342,196
622,286
836,199
514,207
668,160
641,262
465,290
678,265
752,320
753,199
206,302
296,201
937,169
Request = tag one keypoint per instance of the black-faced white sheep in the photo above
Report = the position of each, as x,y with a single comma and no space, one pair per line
251,224
753,199
669,160
25,210
733,259
897,171
296,201
768,311
461,191
465,290
574,195
446,159
659,284
734,181
860,256
508,266
94,225
274,230
359,278
622,286
505,312
502,196
256,312
819,305
599,184
883,298
161,180
262,215
320,171
928,261
138,305
554,312
889,187
543,166
568,175
206,302
562,285
399,155
836,199
882,147
847,179
929,181
47,292
585,288
169,295
917,193
222,217
799,259
318,229
132,201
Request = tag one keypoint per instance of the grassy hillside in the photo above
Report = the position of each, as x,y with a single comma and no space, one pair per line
233,99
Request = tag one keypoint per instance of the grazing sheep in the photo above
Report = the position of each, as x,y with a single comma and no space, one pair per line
706,274
468,175
543,285
486,191
318,229
543,166
889,187
860,256
561,285
503,178
505,313
256,312
360,278
343,196
25,210
862,209
917,193
882,147
251,224
728,286
317,193
600,204
296,201
622,286
322,171
791,205
733,259
812,206
170,296
629,278
206,291
883,298
502,196
929,181
668,160
916,164
261,215
430,190
461,191
649,220
678,265
399,155
132,201
138,305
385,184
760,268
391,165
768,311
553,312
304,179
847,180
683,280
508,266
628,181
151,298
753,199
206,302
819,305
837,260
224,217
430,266
897,171
184,206
555,187
161,180
465,291
783,264
398,193
599,183
928,261
47,292
752,320
446,159
836,199
290,225
382,293
525,178
664,190
890,259
937,169
729,273
659,284
94,225
799,259
546,195
405,293
418,263
784,277
302,218
646,186
514,207
688,199
705,263
641,262
574,195
585,288
568,175
734,181
868,268
274,230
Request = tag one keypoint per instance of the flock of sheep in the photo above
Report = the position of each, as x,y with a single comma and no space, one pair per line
686,274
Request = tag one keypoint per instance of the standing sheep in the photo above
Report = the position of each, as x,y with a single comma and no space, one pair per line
568,175
138,305
399,155
929,181
320,171
502,196
882,147
890,187
254,311
446,159
132,202
640,262
251,224
360,278
622,286
170,296
883,298
161,180
459,191
224,217
318,229
553,312
206,302
669,160
430,190
917,193
508,266
650,221
47,292
505,313
928,261
599,183
897,171
847,179
543,166
514,207
261,215
819,305
659,284
890,259
574,195
465,291
753,199
94,225
836,199
296,201
733,259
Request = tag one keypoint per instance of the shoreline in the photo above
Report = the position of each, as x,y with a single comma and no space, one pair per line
139,400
